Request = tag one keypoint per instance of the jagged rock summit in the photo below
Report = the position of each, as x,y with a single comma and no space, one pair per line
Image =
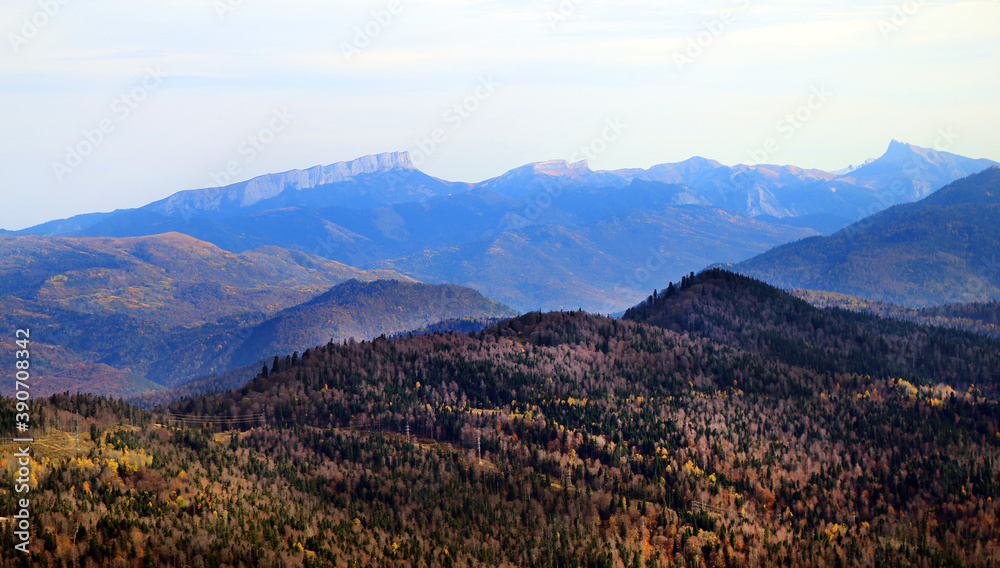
911,172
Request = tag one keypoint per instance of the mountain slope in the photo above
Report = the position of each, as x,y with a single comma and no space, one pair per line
940,250
170,278
352,310
981,318
601,266
370,181
736,310
904,173
115,313
911,172
363,310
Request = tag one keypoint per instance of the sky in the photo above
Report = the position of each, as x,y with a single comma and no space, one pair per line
109,104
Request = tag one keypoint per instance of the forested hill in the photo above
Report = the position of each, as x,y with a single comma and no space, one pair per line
364,310
979,317
548,440
736,310
612,442
941,250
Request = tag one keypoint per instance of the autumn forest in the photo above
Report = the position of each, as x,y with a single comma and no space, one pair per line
719,423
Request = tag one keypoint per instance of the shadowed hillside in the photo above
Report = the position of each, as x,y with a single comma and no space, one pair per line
941,250
364,310
981,318
736,310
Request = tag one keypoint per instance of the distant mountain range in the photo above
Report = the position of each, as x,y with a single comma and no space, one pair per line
127,315
545,235
940,250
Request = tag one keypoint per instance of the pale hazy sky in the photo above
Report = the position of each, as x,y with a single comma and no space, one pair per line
183,88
